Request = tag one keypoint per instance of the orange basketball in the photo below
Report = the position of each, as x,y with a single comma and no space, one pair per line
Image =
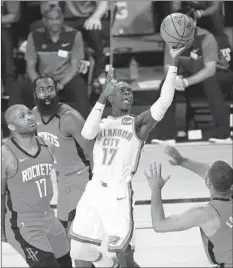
177,29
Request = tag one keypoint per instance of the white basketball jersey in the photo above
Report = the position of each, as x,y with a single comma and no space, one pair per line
116,151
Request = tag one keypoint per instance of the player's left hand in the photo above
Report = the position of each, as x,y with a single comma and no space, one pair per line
177,52
93,23
198,14
155,178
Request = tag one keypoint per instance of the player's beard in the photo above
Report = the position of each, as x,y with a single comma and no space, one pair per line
48,109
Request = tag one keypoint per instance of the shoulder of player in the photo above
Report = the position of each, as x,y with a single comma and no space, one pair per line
34,110
207,36
9,161
71,121
6,153
71,116
207,213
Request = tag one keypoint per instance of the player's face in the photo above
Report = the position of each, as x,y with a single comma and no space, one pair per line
45,92
24,121
54,21
123,99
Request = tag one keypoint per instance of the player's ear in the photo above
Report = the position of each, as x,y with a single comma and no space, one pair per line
11,127
110,99
207,182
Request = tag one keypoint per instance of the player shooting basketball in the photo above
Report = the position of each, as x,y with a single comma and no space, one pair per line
30,226
214,219
106,205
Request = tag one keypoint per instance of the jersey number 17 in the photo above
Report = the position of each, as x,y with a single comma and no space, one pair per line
42,188
109,155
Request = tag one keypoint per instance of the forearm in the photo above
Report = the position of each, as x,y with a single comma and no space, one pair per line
9,19
200,76
32,73
157,211
198,168
92,125
212,9
159,108
100,9
69,75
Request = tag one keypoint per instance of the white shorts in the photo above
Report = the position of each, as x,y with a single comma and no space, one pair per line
102,214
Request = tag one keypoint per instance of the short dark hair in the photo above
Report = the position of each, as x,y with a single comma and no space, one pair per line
221,176
49,6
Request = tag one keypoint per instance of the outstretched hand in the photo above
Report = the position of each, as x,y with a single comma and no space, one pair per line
109,83
176,158
155,178
177,52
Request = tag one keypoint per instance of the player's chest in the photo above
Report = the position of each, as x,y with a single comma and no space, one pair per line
49,132
34,168
115,136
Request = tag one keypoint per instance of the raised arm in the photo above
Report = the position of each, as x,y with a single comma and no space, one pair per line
198,216
31,58
71,125
92,125
148,119
176,159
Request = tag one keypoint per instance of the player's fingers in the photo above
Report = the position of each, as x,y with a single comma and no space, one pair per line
110,73
188,45
167,149
171,162
154,167
146,175
151,169
160,171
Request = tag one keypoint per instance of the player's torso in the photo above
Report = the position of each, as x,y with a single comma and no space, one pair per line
68,154
219,245
30,190
116,151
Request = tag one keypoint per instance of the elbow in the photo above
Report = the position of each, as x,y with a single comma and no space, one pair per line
88,135
157,228
211,71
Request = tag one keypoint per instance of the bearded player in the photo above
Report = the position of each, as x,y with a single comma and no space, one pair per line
105,208
28,222
61,125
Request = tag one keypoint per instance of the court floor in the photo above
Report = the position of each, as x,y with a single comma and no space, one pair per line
184,190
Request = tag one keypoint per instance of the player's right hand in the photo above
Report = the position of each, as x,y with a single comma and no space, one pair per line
177,52
176,158
109,83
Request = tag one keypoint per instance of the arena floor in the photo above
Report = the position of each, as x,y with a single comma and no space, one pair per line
185,189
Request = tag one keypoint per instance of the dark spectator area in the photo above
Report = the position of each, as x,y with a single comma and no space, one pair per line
75,41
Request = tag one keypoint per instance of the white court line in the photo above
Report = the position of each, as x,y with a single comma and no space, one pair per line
188,144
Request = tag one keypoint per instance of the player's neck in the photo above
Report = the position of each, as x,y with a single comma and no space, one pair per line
226,195
25,141
119,113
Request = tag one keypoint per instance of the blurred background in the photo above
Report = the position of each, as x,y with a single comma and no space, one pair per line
129,39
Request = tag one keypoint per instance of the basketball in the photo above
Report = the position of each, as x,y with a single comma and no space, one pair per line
177,29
